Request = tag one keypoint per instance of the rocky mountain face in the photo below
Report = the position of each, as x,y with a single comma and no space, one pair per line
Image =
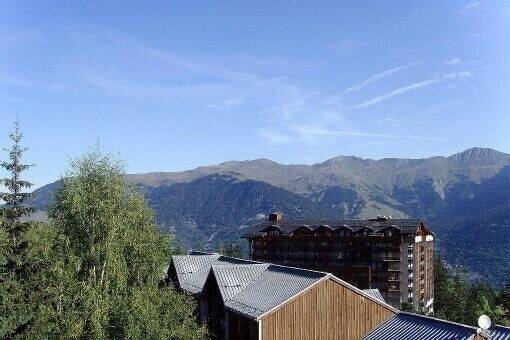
465,198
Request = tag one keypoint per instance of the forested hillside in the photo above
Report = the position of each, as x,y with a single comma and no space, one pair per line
465,199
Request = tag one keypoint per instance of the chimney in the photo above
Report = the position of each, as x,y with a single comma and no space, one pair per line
275,217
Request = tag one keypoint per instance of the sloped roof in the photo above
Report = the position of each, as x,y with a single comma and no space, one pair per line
257,289
409,326
275,285
192,270
499,333
248,287
406,225
375,293
233,279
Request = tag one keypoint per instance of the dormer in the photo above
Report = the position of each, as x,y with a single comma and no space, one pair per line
323,230
344,230
272,230
364,231
391,230
303,230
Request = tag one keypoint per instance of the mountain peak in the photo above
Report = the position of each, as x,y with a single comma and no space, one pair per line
258,161
345,160
478,155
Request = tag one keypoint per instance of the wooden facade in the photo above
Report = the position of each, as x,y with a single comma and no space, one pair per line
267,301
328,310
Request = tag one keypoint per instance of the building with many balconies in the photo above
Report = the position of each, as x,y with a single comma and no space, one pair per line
395,256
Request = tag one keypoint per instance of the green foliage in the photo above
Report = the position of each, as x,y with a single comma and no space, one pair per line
504,298
230,249
408,306
456,299
15,313
97,264
15,198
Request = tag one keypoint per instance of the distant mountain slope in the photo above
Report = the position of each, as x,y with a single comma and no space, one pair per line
465,198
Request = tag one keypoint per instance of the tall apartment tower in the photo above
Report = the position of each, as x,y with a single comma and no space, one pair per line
395,256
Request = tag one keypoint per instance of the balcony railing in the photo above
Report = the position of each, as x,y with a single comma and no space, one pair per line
394,268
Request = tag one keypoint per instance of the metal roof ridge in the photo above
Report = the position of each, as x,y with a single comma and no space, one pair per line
199,252
195,256
229,265
437,319
292,297
248,285
500,326
299,269
239,259
245,286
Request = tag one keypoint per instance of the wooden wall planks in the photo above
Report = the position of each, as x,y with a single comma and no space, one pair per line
328,310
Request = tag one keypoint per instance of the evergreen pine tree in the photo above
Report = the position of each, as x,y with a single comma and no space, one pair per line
15,199
15,313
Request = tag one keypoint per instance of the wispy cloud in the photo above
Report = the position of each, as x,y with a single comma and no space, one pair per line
470,7
419,119
17,38
15,100
477,35
274,137
380,76
397,92
441,107
9,80
129,89
289,111
346,45
294,113
411,87
314,130
457,74
452,62
401,121
227,103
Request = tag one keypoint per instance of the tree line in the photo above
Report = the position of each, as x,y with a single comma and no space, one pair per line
461,300
458,299
92,270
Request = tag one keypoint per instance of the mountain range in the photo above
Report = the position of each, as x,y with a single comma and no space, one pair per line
465,199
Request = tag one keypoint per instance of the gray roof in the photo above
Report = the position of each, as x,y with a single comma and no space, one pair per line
233,279
408,326
192,270
499,333
247,287
407,225
271,287
375,293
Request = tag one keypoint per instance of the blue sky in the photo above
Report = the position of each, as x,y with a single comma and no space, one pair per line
174,85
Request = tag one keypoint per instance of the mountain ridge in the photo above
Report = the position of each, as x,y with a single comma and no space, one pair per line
210,204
